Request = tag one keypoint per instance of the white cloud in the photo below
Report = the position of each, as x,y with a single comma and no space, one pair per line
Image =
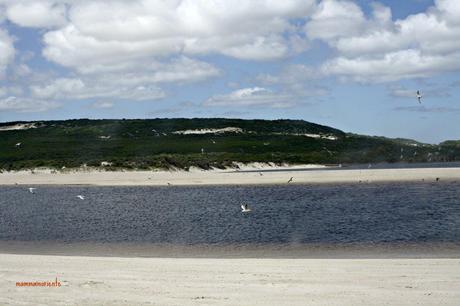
255,96
409,63
101,32
378,49
297,79
7,51
179,70
75,88
39,14
333,19
102,104
133,80
23,105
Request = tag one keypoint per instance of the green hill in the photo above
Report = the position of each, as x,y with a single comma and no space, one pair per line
205,143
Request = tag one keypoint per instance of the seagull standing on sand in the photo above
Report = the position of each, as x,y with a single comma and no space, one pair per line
80,197
419,97
245,208
290,180
31,190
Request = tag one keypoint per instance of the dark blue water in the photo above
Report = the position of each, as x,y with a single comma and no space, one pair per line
347,213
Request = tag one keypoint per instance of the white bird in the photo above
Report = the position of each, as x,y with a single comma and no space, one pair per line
369,166
18,144
419,96
31,190
80,197
245,208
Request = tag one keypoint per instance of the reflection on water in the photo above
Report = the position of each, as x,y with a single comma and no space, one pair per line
345,213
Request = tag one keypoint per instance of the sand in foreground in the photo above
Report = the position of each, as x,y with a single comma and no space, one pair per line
198,281
146,178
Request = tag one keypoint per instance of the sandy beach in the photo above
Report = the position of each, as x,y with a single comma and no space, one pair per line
208,281
228,177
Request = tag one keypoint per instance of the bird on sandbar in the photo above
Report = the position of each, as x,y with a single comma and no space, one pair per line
290,180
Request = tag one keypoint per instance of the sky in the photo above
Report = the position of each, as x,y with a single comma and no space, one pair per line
352,65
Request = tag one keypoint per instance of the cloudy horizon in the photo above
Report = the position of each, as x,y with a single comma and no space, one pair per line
352,65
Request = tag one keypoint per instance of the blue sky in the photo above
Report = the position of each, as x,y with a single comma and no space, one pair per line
353,65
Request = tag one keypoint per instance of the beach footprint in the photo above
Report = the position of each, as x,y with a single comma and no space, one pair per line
92,284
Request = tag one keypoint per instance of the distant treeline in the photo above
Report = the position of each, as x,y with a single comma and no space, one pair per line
204,143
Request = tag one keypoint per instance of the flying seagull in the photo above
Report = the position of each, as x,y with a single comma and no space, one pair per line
290,180
18,144
80,197
31,190
419,97
245,208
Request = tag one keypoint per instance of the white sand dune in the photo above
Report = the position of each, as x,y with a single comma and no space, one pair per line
161,178
18,126
207,281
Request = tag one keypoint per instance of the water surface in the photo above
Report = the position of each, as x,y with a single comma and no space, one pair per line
187,215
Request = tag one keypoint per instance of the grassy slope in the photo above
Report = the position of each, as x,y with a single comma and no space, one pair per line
151,144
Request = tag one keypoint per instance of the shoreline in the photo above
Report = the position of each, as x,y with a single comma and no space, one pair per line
227,177
409,250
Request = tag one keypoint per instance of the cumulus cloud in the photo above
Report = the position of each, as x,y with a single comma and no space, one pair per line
334,19
130,48
178,70
404,64
103,31
378,49
134,80
255,96
7,51
75,88
39,14
23,105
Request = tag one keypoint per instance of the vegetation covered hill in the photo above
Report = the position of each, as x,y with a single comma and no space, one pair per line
205,143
